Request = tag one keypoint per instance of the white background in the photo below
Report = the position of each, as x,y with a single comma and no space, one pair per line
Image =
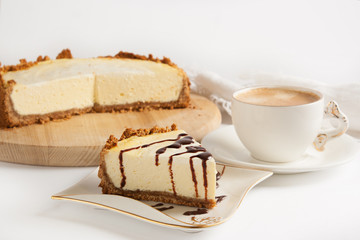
309,38
317,40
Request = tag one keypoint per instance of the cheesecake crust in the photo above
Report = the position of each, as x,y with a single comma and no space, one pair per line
109,188
165,197
141,132
10,118
65,53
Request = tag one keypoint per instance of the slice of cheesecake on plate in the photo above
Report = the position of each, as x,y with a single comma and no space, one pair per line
158,164
36,92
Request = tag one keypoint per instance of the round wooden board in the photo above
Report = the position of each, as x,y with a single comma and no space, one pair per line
79,140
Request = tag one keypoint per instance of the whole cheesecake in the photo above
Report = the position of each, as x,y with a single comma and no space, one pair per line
40,91
158,164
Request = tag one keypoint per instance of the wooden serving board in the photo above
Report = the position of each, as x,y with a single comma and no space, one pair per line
79,140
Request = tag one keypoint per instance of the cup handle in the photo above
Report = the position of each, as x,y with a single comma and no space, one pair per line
332,110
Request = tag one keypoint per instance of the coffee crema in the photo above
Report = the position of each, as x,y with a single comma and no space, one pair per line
277,97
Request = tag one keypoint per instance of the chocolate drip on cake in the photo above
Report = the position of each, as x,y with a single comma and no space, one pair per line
122,169
164,149
178,143
182,139
171,172
204,157
194,149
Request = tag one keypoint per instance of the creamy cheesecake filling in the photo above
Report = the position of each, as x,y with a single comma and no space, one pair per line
58,95
111,89
64,84
186,174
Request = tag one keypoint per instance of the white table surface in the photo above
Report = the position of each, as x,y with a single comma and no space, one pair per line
311,39
318,205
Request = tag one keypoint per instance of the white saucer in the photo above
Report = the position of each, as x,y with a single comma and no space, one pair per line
226,147
233,186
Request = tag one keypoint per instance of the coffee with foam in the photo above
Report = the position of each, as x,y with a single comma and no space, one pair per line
277,97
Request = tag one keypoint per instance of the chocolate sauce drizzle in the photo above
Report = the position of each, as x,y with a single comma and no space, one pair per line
162,150
199,211
220,198
162,208
204,157
193,150
158,205
182,139
122,169
219,175
190,149
165,208
179,142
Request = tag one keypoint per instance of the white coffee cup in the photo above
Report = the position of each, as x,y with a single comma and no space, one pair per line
278,132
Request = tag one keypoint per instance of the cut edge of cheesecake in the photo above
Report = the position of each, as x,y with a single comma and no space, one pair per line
10,118
109,188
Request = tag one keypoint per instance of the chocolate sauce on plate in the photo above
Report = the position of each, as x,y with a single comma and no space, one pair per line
158,205
199,211
220,198
165,208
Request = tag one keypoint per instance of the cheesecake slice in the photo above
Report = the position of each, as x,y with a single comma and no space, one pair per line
36,92
158,164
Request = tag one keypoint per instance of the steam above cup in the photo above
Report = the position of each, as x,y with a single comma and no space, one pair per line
278,123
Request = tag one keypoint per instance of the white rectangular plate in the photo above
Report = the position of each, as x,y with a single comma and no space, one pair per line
234,184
